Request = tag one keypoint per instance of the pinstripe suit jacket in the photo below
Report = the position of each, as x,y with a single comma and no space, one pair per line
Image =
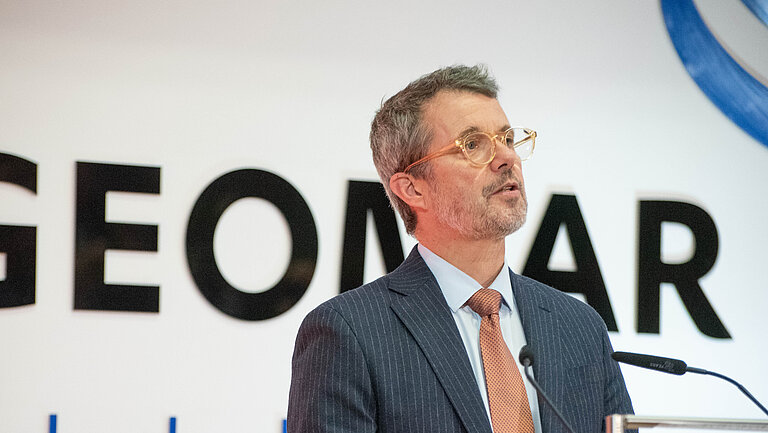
387,357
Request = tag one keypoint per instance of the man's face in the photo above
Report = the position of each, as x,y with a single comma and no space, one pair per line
486,202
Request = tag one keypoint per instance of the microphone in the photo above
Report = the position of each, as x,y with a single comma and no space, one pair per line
526,359
667,365
678,367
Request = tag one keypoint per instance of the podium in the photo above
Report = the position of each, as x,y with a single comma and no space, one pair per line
619,423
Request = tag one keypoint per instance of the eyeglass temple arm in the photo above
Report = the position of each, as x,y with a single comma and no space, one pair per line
442,152
530,137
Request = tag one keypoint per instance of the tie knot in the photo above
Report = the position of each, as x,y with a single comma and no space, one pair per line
485,302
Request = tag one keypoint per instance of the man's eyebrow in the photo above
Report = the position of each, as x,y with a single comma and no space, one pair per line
472,129
467,131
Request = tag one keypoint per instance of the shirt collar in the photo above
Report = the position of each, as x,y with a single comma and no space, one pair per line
458,287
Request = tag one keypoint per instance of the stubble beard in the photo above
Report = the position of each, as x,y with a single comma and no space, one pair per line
478,218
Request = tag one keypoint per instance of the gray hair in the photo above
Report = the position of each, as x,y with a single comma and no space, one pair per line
398,137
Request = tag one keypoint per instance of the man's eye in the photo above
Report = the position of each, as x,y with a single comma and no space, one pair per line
470,144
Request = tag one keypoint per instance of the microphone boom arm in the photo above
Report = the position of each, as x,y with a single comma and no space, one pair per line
678,367
526,359
728,379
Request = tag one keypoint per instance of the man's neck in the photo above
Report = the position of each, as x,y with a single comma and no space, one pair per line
480,259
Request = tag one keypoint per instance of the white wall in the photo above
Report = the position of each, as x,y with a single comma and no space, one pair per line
201,88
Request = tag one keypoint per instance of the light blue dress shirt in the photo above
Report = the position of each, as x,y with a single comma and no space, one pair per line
458,287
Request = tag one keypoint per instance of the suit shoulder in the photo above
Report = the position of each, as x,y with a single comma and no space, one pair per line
561,303
360,300
361,315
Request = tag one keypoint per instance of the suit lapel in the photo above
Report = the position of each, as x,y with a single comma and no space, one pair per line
543,337
428,318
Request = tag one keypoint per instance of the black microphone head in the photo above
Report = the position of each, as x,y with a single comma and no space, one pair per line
667,365
620,356
526,356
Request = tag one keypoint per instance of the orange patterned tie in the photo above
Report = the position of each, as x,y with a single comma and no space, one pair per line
510,411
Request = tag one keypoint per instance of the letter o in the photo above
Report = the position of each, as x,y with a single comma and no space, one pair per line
208,209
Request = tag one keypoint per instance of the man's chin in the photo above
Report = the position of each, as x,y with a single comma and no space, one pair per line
501,228
517,224
517,218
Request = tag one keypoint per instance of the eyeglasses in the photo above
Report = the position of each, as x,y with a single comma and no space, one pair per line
480,147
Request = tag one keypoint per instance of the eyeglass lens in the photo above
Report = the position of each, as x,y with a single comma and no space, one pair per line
479,146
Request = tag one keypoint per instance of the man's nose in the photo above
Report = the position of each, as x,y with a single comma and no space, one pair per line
506,157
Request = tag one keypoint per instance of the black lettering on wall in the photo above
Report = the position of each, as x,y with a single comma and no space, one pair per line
363,196
19,243
93,236
587,278
685,276
200,254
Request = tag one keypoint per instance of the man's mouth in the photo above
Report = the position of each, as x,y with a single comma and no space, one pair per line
509,187
506,184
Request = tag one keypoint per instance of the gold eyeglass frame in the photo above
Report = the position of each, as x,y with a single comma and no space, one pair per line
461,144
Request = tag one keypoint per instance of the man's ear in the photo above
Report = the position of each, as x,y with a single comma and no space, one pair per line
408,188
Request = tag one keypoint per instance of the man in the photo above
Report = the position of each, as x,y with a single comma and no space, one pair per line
432,346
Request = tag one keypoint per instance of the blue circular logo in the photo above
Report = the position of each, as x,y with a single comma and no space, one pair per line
733,90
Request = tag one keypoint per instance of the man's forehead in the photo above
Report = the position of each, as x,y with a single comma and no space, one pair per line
454,112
